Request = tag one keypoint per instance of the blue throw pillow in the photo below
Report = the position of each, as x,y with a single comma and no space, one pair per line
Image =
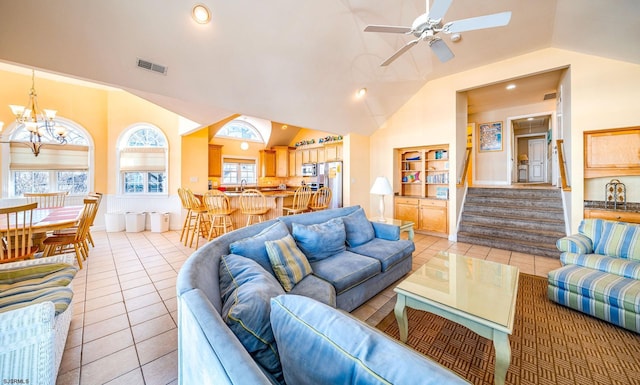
359,229
254,248
321,240
322,345
289,263
246,308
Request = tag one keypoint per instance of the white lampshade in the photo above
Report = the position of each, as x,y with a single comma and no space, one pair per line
381,186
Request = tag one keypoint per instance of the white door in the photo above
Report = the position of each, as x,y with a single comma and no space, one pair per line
537,157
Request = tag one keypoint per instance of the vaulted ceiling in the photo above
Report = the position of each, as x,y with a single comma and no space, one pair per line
290,61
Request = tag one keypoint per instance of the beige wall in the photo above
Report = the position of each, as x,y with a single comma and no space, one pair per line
357,175
125,110
603,95
104,113
84,105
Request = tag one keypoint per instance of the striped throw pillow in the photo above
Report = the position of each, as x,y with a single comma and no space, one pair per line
288,262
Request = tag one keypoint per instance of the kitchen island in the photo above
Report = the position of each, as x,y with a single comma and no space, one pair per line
275,201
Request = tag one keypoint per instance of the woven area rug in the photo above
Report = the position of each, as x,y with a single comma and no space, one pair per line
550,344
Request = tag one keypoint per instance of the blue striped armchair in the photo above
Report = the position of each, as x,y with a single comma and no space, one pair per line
600,273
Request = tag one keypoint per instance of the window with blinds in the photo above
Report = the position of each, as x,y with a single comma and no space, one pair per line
56,168
143,157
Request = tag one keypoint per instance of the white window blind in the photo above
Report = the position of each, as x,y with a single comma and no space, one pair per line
143,159
51,157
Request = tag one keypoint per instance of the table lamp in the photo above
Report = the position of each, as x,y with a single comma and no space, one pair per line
381,187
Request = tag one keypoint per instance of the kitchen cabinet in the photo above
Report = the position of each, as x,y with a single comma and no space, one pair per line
321,155
299,162
293,171
282,161
613,215
267,163
333,152
613,152
215,160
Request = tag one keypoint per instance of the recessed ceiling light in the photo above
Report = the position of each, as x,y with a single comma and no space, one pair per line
511,87
284,127
244,146
361,92
201,14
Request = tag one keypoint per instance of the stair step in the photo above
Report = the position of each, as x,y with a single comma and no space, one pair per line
524,220
511,211
515,222
531,235
533,248
513,201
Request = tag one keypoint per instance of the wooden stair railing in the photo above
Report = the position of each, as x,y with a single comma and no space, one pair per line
562,165
465,168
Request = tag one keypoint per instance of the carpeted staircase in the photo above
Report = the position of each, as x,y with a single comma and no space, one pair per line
526,220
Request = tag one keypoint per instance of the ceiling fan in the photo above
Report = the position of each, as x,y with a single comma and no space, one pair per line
427,26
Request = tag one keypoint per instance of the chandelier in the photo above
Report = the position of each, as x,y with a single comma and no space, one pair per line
39,123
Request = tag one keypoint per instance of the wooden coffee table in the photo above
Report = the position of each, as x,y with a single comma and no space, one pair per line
475,293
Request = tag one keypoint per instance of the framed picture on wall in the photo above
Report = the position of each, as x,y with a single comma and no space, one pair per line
490,136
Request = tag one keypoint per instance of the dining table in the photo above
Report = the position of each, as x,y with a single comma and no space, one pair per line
45,220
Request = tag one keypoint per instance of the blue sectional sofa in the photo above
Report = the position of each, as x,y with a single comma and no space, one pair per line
600,275
268,303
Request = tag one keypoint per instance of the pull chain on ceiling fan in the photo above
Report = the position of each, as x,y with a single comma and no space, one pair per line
427,26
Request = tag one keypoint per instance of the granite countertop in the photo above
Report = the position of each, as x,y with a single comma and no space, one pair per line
632,207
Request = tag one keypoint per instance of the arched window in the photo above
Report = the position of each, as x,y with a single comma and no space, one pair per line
57,167
143,160
239,129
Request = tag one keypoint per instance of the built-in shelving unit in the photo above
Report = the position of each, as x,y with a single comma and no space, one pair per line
424,188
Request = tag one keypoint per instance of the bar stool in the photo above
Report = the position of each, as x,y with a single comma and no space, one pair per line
300,201
253,204
219,211
320,199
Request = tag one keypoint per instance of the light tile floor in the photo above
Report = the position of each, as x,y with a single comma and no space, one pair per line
124,325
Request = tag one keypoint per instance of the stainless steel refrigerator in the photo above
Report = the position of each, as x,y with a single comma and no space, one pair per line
330,175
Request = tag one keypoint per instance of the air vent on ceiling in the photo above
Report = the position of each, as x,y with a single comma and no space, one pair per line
549,96
147,65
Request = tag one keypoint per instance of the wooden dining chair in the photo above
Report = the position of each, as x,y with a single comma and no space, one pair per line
77,241
47,200
16,233
219,211
253,204
72,230
320,199
301,200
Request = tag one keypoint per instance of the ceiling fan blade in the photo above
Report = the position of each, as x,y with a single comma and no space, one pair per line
480,22
438,9
441,50
387,29
399,52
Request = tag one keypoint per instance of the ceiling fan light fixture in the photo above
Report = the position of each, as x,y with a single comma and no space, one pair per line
201,14
456,37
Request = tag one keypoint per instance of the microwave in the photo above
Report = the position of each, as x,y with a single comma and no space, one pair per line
309,169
